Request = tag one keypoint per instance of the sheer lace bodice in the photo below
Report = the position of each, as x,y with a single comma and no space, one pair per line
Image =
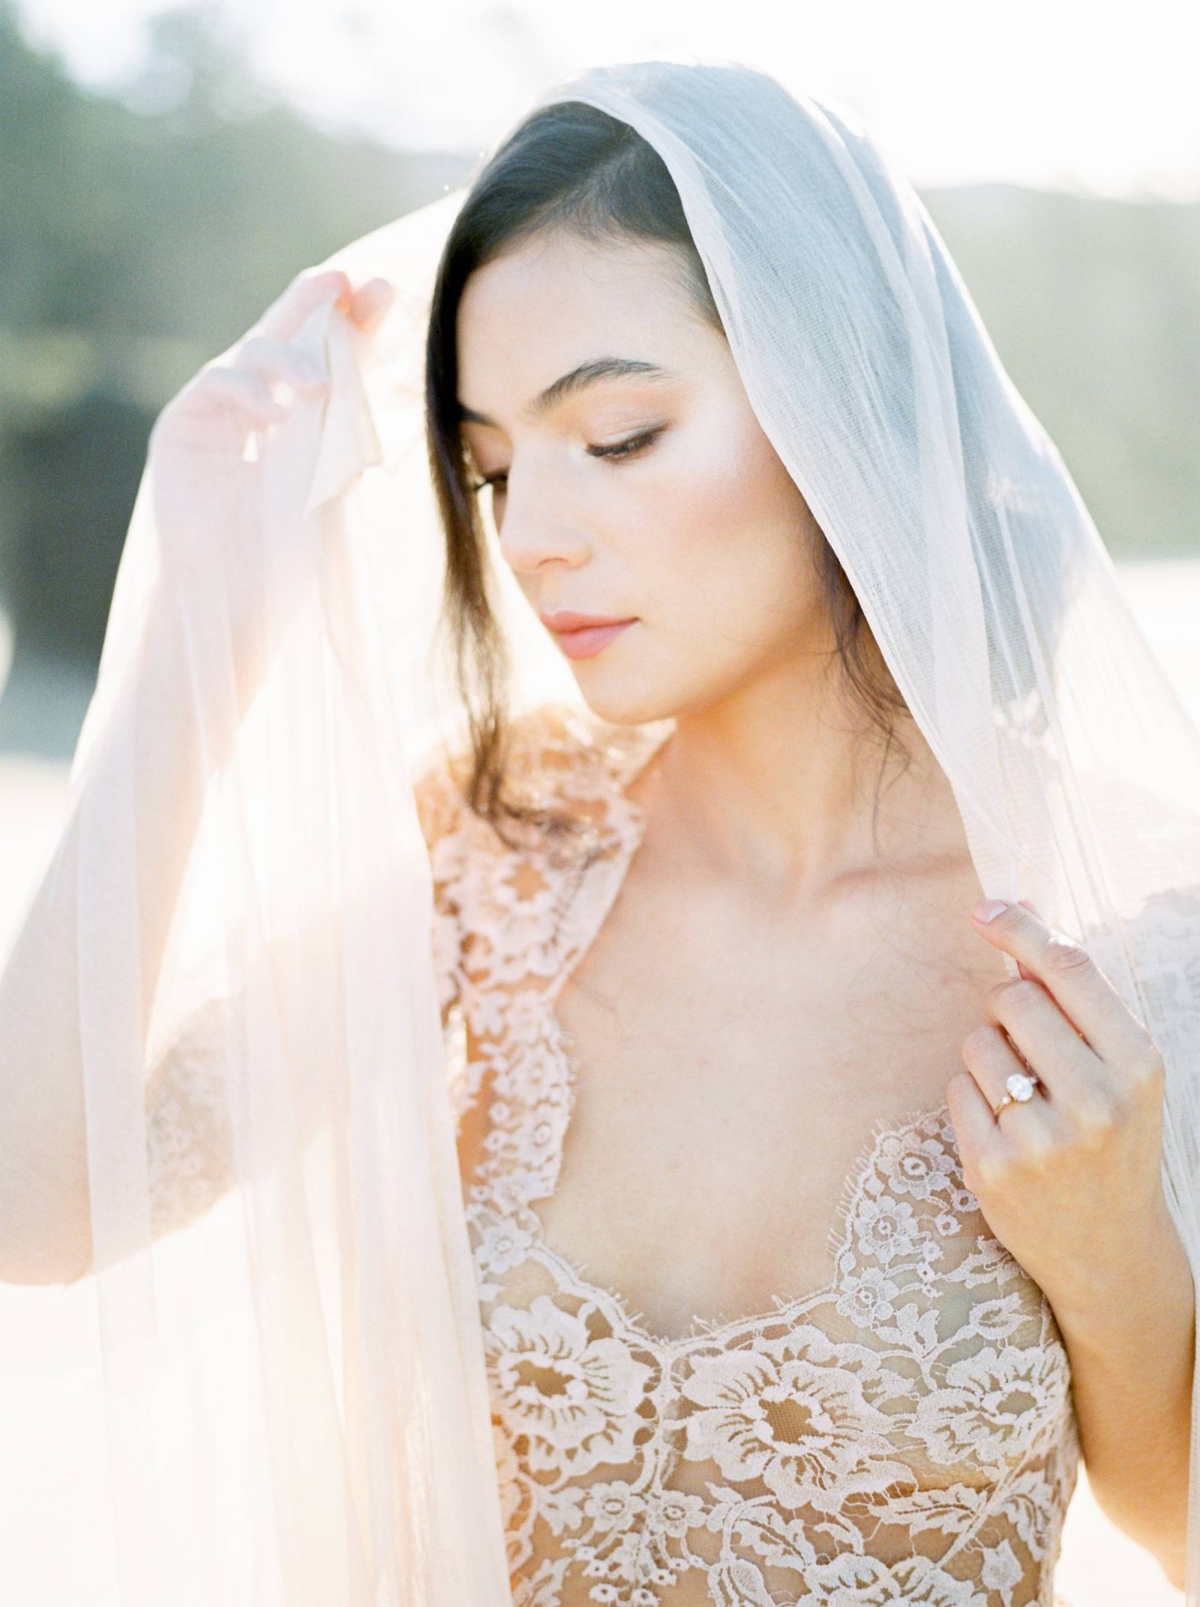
904,1433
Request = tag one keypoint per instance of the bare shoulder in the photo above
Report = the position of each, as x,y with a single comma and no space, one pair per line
568,747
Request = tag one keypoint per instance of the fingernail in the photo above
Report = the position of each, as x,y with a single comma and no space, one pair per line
988,909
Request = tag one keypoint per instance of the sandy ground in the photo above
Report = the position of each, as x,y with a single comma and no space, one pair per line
55,1525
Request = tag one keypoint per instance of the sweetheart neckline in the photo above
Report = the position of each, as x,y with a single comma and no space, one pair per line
839,1236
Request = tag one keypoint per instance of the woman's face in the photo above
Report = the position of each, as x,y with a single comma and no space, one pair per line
692,527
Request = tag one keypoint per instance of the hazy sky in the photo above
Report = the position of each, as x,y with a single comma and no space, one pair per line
1083,94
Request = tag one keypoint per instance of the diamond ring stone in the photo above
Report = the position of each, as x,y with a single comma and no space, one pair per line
1020,1086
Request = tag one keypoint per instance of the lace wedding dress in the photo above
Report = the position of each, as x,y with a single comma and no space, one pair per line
903,1434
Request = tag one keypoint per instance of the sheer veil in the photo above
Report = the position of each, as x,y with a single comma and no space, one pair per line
294,1372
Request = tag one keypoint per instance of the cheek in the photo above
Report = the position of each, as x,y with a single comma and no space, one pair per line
735,524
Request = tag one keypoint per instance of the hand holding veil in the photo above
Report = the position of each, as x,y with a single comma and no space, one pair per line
328,1292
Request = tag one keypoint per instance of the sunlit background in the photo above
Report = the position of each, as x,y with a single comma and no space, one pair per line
165,173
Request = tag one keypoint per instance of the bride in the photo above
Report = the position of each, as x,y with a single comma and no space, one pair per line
788,1155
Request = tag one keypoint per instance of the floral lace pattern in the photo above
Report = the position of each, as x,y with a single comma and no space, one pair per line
904,1434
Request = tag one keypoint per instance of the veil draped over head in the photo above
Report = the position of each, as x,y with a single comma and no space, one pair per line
294,1372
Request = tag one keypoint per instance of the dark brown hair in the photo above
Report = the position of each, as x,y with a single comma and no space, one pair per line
569,165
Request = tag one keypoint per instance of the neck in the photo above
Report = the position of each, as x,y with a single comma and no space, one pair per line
786,787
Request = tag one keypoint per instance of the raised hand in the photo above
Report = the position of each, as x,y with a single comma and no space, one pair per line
1069,1177
205,476
239,389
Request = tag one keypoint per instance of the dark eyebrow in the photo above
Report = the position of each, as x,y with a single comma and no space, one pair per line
588,373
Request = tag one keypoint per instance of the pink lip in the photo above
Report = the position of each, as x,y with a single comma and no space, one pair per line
566,619
587,642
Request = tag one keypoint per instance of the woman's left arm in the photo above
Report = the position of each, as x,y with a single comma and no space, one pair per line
1070,1182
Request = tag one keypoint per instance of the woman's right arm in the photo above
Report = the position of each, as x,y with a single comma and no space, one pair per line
45,1218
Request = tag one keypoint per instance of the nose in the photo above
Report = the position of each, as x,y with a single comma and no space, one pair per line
537,525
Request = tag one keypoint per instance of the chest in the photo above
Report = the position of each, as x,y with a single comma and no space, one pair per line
722,1069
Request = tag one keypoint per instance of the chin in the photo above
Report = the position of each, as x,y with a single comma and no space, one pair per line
628,705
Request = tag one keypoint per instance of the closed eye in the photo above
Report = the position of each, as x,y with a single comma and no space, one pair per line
618,451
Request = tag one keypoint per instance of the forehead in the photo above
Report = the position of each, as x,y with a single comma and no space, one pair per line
558,299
